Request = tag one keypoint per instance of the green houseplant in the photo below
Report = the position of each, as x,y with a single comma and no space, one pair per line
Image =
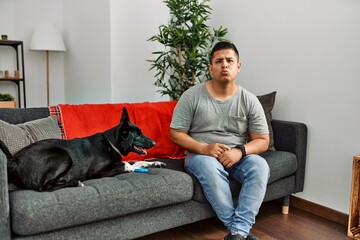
4,97
187,42
7,101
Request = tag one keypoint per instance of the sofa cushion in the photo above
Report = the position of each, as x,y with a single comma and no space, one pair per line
34,212
267,101
16,137
153,118
282,164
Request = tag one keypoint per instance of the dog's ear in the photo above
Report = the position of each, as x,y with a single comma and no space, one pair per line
123,129
122,134
125,116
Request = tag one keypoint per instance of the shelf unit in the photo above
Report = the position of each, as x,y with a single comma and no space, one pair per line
19,81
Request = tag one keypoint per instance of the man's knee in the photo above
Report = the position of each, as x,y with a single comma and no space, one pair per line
259,167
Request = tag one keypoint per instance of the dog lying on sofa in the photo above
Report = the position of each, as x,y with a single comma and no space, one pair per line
51,164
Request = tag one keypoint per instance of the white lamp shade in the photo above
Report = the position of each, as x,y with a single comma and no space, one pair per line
47,37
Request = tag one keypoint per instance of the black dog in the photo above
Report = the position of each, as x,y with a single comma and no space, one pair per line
54,163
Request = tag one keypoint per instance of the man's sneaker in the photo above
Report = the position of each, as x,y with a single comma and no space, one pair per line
251,237
239,237
234,237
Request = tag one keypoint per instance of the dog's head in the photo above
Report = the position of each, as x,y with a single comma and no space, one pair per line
129,137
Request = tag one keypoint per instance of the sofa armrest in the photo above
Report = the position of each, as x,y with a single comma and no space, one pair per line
5,232
292,137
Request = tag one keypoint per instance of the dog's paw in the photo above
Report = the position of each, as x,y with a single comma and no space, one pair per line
159,165
148,164
128,168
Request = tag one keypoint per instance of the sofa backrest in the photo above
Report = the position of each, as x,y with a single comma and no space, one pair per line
21,115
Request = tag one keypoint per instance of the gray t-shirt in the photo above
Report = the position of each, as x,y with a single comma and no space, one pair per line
208,120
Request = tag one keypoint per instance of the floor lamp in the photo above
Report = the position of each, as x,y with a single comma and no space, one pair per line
47,37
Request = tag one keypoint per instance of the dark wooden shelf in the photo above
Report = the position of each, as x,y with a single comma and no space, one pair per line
11,79
19,54
13,43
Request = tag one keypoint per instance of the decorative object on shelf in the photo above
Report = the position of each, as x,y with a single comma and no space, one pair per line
47,37
7,101
4,37
18,78
188,42
16,74
6,74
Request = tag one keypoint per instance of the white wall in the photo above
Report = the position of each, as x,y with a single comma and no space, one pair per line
308,51
18,18
132,23
106,57
87,61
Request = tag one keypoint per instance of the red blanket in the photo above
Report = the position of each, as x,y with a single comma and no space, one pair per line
153,119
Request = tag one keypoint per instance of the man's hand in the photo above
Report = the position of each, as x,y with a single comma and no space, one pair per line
215,149
230,157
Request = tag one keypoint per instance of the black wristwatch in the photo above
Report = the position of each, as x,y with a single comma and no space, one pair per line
243,150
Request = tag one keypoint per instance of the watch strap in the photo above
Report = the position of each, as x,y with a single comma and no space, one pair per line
243,150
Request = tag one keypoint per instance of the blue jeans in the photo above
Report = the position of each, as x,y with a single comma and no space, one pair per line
252,172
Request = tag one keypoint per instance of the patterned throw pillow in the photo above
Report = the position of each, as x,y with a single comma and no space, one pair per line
18,136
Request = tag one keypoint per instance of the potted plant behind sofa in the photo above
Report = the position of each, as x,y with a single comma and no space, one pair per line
7,101
188,42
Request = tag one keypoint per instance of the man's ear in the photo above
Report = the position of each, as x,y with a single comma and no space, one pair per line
239,66
210,69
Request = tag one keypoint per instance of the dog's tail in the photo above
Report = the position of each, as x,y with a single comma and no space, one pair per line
5,150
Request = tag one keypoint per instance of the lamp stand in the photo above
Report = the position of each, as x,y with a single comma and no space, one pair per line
47,78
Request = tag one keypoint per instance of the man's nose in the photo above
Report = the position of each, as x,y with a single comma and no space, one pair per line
224,64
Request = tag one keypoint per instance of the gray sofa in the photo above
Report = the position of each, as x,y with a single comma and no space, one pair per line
132,205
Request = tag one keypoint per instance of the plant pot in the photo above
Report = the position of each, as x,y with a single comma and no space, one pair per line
7,104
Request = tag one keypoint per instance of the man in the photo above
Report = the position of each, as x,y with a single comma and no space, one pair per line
223,127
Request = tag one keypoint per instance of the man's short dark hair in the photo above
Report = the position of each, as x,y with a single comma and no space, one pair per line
221,46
